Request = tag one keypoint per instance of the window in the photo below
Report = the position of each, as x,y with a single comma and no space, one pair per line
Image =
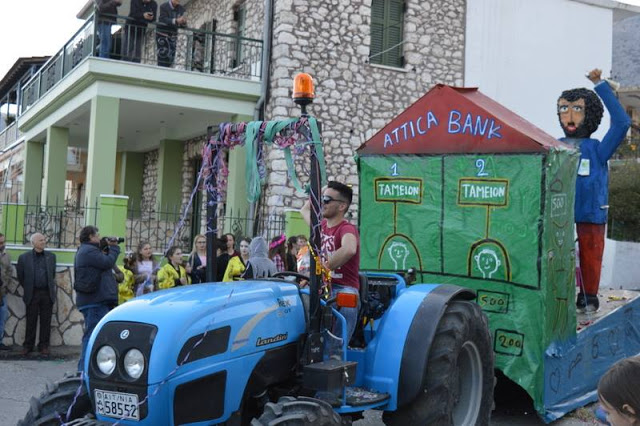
387,30
239,16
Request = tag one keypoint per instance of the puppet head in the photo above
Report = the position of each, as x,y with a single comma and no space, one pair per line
580,112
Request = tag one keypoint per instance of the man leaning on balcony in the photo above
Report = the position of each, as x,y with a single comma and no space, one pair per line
107,12
142,12
171,17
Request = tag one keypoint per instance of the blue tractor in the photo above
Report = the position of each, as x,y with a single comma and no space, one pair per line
253,353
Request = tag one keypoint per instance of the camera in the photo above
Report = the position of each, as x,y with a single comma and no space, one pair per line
105,241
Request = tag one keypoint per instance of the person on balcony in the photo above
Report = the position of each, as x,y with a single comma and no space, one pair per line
37,276
171,17
142,12
107,13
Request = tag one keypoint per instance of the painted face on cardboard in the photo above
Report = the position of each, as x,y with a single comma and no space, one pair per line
571,116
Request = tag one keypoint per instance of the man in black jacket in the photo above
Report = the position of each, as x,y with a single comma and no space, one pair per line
142,12
37,275
107,12
93,264
171,17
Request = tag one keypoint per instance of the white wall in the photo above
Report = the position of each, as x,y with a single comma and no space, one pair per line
524,53
620,267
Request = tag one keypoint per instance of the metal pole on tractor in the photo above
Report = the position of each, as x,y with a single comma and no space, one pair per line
303,94
212,211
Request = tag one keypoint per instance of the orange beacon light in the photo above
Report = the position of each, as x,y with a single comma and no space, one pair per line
303,93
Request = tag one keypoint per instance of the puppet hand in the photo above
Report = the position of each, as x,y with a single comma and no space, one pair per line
595,75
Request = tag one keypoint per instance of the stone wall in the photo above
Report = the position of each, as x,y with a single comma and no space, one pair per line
200,12
150,179
330,40
66,323
354,99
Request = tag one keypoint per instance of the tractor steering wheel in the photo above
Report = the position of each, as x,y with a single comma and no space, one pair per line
298,277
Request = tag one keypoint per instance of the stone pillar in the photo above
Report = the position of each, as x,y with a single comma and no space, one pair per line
169,175
55,165
33,159
101,155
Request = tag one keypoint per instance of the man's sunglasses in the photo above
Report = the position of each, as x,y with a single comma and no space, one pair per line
327,199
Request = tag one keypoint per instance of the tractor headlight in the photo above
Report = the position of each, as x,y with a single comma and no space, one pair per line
106,360
134,363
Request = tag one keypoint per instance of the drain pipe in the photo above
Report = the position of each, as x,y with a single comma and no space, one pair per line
258,113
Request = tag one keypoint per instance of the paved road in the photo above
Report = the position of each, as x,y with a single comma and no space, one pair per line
20,379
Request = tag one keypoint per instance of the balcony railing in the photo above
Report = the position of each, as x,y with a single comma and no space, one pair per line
9,135
187,49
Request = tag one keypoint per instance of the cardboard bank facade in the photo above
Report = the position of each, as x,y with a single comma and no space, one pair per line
468,193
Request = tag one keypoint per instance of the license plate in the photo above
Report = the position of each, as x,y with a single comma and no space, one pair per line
117,404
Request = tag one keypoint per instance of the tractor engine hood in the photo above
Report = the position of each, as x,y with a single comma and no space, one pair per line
211,323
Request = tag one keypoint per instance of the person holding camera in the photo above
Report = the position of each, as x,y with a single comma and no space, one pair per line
37,275
95,284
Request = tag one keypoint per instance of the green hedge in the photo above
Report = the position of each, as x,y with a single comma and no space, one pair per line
624,201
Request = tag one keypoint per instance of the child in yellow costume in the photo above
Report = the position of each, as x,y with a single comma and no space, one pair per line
173,273
237,264
125,288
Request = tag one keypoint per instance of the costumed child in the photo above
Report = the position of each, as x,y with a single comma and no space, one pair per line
173,274
125,288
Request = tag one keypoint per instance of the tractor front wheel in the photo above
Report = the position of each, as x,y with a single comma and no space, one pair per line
51,407
301,411
459,375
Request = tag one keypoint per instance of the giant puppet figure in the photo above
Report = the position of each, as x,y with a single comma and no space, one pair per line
580,112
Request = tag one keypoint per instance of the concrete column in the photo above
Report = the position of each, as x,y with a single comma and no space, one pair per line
103,141
170,175
131,174
13,223
112,219
33,160
55,165
237,183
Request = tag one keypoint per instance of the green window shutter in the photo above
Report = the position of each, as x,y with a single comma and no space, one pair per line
377,31
387,30
395,33
240,15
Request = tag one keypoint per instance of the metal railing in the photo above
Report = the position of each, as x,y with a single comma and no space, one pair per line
187,49
9,135
62,221
59,223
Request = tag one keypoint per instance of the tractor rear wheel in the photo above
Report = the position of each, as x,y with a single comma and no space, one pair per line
51,407
301,411
459,376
